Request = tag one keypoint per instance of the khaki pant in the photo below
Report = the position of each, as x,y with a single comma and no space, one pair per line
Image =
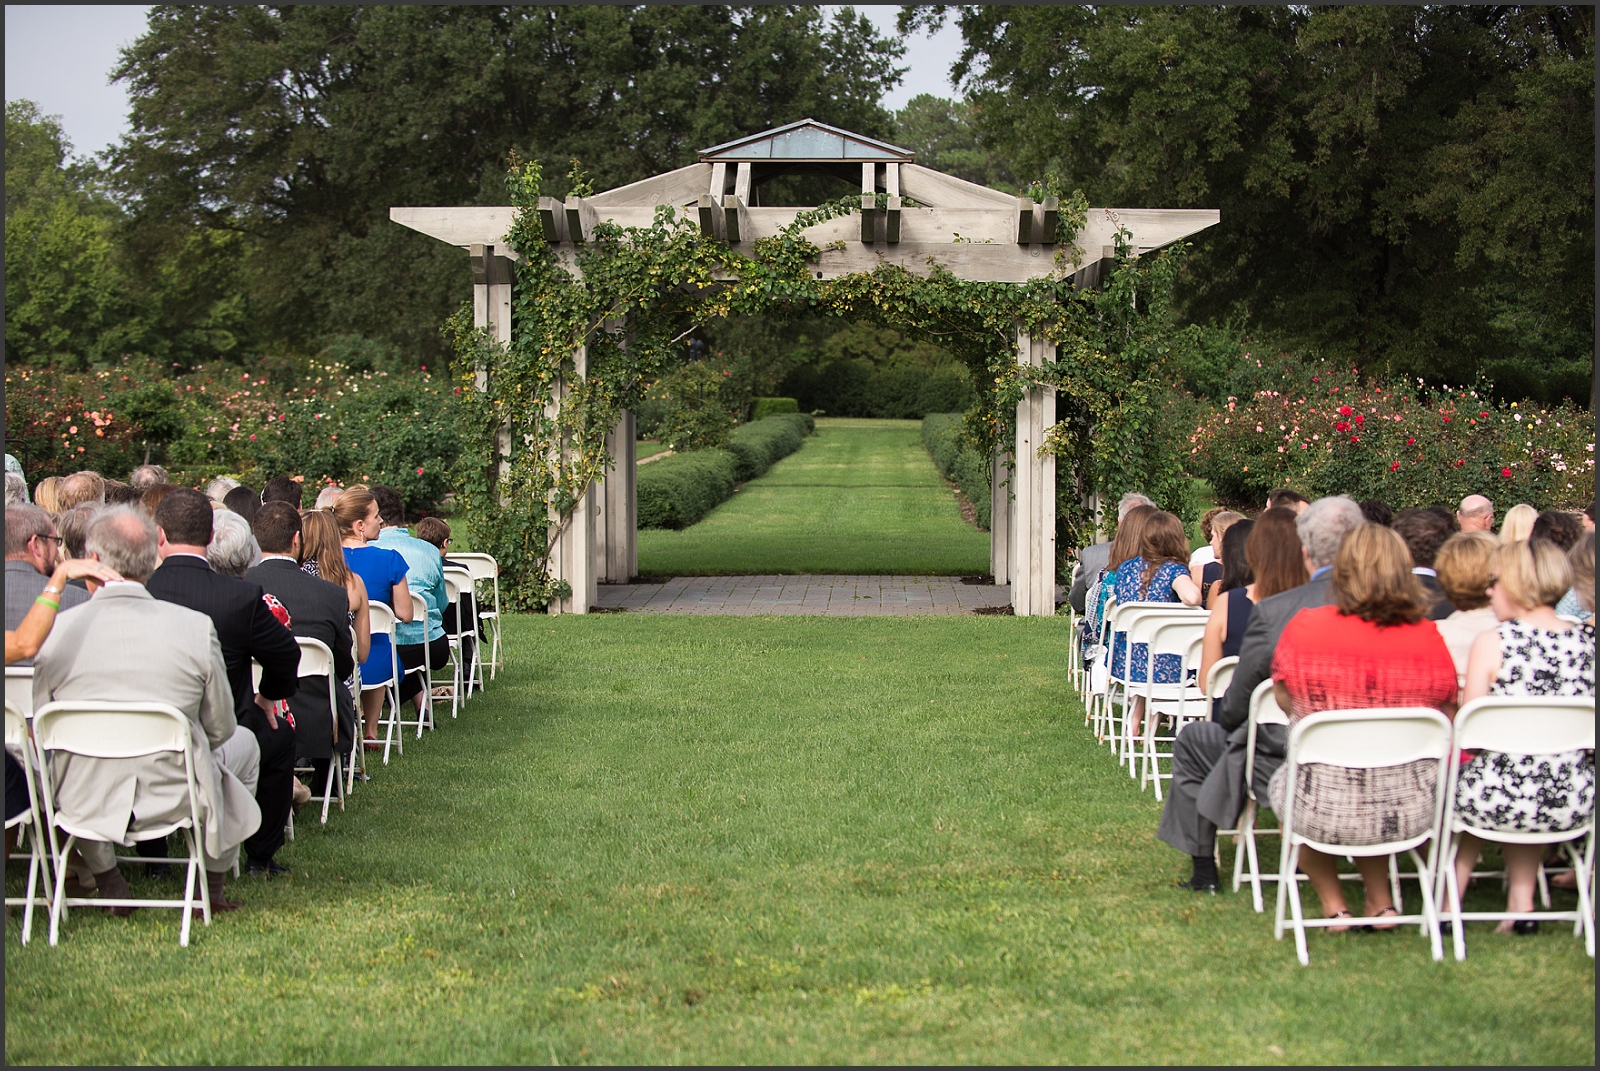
239,753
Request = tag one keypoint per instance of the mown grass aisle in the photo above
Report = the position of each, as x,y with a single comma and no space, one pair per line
862,497
666,839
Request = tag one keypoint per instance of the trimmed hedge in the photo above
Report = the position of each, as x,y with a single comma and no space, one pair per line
677,491
957,461
766,407
858,389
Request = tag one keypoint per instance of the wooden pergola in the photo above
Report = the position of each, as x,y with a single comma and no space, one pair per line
911,216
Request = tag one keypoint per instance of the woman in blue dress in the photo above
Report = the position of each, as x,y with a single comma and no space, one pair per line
1159,574
1124,551
383,571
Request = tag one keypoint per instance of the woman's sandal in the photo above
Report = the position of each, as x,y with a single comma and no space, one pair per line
1340,915
1391,910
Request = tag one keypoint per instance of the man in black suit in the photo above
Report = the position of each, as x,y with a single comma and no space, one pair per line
1208,790
247,631
1425,531
319,611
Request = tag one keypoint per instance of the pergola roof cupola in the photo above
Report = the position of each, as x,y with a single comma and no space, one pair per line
809,141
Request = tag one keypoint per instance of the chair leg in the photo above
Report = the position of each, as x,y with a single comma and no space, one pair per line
327,786
1581,869
58,905
1430,914
1453,890
1294,902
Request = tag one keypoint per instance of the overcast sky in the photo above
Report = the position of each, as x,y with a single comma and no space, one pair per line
61,58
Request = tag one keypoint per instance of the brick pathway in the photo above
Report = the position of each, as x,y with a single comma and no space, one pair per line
832,596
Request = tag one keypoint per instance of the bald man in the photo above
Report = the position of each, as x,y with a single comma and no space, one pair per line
1476,514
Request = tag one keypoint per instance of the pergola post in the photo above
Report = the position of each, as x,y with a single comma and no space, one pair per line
617,531
1000,517
1033,480
573,557
491,309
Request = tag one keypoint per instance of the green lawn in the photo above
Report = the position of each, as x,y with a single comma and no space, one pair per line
861,496
686,839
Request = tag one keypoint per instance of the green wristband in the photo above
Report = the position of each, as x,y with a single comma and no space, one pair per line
47,602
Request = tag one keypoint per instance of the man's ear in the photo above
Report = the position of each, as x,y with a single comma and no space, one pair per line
294,546
161,536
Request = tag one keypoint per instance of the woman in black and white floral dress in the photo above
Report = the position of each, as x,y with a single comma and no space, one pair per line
1531,652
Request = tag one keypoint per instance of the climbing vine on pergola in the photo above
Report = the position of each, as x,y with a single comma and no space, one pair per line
536,419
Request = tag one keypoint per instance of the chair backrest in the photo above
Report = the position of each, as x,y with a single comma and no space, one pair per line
1264,709
452,589
1221,675
19,689
481,566
315,658
1144,624
1178,634
16,726
1370,738
1527,725
381,618
462,577
108,730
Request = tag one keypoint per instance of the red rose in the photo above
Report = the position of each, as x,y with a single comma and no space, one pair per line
1447,420
1506,473
1360,419
1483,414
1355,438
1344,410
1394,466
1411,442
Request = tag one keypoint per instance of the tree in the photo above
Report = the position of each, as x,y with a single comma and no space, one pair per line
296,128
944,136
1406,189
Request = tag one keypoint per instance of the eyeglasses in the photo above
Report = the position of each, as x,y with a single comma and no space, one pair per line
1493,580
55,538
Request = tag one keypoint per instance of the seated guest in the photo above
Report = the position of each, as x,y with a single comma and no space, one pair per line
1531,652
1229,616
321,556
1518,524
242,501
1159,574
424,573
217,490
1208,790
1424,532
1377,512
80,488
1463,564
436,530
247,630
1291,500
1094,558
328,496
121,494
33,551
282,489
1205,552
1587,516
383,571
1275,563
1124,548
1578,602
47,494
1372,648
145,650
1476,514
73,527
232,550
147,476
318,610
16,490
1208,574
152,496
1559,527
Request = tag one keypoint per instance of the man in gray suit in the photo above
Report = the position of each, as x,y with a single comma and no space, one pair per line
1096,557
32,550
126,646
1208,790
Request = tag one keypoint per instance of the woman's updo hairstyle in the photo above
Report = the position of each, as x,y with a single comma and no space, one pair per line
352,506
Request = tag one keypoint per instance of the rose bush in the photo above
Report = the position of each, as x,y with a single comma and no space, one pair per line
1323,430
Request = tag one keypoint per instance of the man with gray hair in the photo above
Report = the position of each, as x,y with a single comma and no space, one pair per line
126,646
1476,514
16,489
1097,556
218,489
32,550
147,476
1208,790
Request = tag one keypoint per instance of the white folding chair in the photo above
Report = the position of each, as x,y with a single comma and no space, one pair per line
466,629
29,824
317,661
107,730
1363,739
1180,634
1119,617
1097,677
1075,672
1519,725
485,569
1264,710
458,671
383,624
1140,620
19,689
419,606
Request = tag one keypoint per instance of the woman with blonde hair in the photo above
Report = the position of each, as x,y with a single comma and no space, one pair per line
1518,524
1463,567
47,494
1533,651
383,571
1373,647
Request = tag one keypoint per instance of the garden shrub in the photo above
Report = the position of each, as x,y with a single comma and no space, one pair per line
858,389
944,435
762,443
765,407
677,491
1323,430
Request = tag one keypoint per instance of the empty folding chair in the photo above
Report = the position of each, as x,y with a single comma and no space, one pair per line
106,730
28,824
485,571
1363,739
452,590
466,631
19,689
1519,725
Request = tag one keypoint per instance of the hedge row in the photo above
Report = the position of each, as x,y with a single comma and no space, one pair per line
857,389
677,491
957,461
765,407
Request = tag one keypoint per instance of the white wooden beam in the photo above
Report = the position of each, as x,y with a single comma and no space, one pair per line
678,187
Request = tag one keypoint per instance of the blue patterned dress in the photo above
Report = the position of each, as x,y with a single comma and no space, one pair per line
1168,666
